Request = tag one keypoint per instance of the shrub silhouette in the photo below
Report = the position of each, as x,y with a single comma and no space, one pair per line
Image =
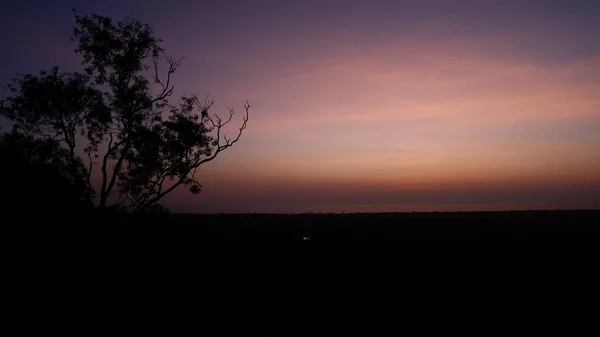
36,179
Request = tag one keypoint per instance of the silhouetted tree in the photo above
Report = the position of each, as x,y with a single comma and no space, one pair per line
38,172
143,146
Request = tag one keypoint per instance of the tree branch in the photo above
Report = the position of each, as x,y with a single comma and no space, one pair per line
103,195
160,195
228,143
90,166
167,88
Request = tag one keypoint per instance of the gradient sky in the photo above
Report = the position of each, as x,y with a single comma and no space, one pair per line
371,105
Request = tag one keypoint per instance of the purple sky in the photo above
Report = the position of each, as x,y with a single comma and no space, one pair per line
371,105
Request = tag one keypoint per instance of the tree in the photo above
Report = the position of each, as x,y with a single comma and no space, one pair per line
140,144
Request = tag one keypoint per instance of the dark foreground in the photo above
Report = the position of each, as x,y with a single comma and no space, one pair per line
169,264
510,225
397,226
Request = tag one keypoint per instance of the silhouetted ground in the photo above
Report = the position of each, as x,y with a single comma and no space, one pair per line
264,291
509,225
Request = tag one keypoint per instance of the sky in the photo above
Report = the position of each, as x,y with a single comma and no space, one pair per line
370,106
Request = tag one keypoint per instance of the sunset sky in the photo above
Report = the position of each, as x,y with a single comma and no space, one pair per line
370,105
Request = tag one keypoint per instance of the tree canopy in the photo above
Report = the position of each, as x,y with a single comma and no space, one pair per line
116,120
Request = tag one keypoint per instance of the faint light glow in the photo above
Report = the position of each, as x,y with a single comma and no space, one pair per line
306,238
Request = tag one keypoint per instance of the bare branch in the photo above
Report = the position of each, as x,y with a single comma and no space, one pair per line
228,144
167,88
204,107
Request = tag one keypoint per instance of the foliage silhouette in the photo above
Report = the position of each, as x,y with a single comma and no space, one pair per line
39,175
140,144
